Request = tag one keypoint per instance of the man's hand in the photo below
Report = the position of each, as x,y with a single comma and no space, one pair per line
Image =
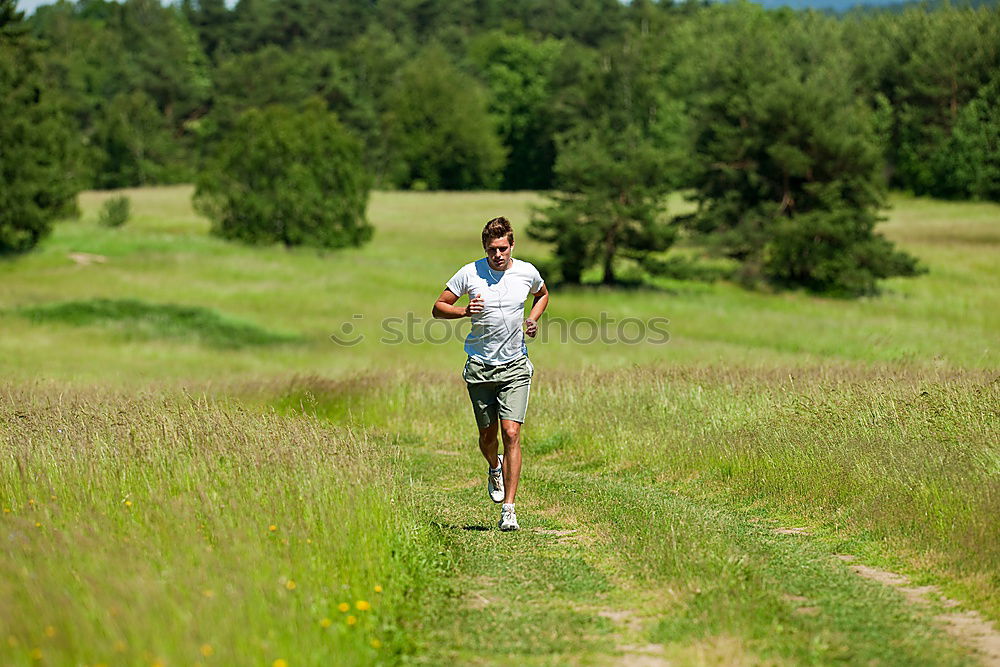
530,327
475,306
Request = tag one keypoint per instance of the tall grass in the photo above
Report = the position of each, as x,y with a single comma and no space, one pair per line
142,529
139,525
907,460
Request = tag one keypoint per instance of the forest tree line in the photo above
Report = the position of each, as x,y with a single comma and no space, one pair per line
451,94
785,128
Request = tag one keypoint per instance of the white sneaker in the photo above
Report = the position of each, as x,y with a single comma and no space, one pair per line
494,481
508,520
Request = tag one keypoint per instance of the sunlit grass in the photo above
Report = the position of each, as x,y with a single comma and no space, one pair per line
289,497
145,528
902,463
165,255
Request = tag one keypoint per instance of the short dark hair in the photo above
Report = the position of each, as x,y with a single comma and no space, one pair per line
498,228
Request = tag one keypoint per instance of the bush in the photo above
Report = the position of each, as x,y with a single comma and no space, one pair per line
833,252
286,176
115,212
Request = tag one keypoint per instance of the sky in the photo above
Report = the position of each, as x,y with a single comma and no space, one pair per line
28,6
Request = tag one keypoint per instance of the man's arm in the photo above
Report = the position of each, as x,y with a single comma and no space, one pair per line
445,308
538,307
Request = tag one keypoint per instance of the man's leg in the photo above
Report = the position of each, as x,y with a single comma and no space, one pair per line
488,444
511,431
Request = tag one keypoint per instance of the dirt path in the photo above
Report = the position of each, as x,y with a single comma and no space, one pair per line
968,626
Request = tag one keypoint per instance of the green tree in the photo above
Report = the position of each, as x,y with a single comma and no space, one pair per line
518,72
37,149
286,176
787,173
374,59
137,144
275,76
615,166
213,22
943,58
254,24
82,68
977,143
135,80
165,59
441,133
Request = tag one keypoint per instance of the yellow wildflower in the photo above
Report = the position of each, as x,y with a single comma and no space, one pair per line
207,650
280,662
6,510
351,620
128,503
362,605
378,589
50,631
325,623
31,501
343,606
38,525
376,643
290,585
272,528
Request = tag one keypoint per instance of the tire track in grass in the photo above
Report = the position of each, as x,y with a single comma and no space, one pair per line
969,627
617,569
514,597
736,592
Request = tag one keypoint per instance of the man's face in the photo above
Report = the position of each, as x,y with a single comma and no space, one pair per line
498,253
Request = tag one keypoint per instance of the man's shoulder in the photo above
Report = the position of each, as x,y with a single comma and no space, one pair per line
465,276
526,267
469,268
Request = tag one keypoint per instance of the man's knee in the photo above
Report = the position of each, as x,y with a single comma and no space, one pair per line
511,432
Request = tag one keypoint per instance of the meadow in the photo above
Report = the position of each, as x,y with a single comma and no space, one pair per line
192,468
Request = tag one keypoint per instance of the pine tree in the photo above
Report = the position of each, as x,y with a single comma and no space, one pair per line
37,150
615,166
788,173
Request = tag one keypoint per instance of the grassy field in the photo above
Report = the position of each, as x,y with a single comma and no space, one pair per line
945,319
192,470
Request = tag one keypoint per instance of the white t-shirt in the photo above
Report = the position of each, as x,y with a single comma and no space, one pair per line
496,336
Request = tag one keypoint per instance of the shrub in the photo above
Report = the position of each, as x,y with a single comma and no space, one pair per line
287,176
115,212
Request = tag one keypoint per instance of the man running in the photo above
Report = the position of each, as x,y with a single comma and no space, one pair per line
497,372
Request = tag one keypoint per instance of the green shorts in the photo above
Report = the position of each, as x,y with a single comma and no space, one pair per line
498,391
